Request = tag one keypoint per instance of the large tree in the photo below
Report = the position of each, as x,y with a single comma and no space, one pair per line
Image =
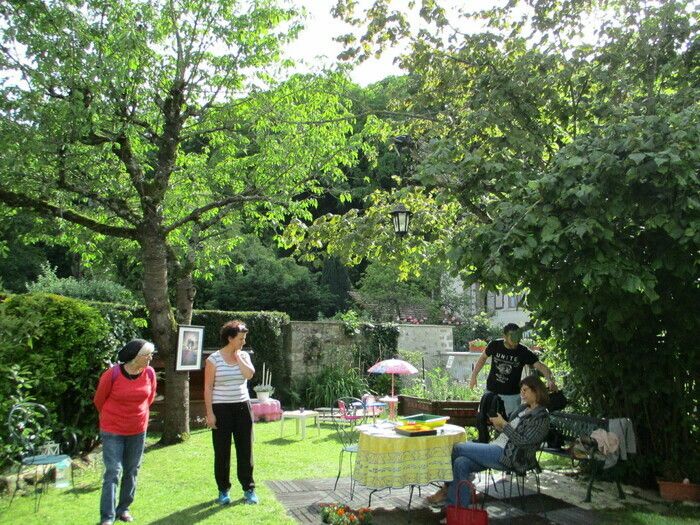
159,123
566,158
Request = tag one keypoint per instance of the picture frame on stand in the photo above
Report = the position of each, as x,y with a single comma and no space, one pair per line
190,340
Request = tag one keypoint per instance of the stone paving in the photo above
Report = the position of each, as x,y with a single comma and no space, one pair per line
560,501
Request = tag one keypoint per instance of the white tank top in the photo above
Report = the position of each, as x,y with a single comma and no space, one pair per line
229,384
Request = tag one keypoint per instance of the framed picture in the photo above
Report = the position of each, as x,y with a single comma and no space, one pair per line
189,347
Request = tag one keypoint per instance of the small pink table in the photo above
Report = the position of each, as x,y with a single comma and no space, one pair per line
268,410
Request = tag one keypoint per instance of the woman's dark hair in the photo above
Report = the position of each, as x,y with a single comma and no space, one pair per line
232,329
537,386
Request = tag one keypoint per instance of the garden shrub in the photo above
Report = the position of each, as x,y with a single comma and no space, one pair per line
440,386
66,345
88,289
16,383
479,326
380,342
126,322
331,383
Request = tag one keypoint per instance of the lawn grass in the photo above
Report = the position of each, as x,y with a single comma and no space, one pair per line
176,484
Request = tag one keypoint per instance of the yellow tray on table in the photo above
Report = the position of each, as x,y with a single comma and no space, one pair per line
413,429
429,420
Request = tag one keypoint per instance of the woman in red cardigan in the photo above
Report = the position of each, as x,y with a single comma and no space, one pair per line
123,398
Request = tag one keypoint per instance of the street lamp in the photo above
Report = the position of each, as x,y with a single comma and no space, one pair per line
400,216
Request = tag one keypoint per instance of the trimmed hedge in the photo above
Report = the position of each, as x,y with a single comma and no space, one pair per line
64,344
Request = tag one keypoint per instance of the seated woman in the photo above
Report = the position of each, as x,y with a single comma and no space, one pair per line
514,449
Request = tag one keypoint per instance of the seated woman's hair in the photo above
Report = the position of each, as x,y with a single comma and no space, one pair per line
232,329
537,386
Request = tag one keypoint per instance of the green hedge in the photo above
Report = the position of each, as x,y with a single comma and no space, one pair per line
61,345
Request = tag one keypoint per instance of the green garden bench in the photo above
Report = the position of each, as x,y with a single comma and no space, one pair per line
567,428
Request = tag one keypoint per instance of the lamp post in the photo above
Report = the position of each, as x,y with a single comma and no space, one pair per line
400,217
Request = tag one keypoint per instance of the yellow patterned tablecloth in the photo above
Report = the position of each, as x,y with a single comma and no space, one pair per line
386,459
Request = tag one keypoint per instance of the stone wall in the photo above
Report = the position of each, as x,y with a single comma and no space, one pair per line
431,340
312,344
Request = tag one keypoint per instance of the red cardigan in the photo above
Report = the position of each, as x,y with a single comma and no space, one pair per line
124,403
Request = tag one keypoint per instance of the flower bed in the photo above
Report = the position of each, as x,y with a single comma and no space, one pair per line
336,514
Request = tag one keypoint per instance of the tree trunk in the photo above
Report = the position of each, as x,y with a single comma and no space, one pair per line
176,415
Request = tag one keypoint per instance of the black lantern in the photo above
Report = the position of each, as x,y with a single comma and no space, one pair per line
400,216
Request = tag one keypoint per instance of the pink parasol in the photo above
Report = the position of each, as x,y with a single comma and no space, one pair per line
393,366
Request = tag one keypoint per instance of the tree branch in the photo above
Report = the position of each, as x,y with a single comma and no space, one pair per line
196,215
117,206
46,209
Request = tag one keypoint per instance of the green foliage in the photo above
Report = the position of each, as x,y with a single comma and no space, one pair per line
88,289
439,386
335,277
479,326
16,385
65,345
572,162
380,342
352,321
383,292
332,383
126,322
23,249
260,280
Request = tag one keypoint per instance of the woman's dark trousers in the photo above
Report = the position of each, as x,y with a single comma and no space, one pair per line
233,419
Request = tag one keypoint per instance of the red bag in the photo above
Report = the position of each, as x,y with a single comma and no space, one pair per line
457,515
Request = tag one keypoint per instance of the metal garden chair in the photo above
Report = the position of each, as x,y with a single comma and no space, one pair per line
345,418
31,433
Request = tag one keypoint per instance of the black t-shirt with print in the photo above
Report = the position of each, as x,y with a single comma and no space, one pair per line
507,367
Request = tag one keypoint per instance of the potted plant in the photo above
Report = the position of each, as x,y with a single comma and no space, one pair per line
264,390
676,486
337,514
477,345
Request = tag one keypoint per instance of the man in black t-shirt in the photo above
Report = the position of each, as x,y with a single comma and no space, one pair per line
508,357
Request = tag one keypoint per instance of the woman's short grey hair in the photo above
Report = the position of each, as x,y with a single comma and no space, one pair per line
147,348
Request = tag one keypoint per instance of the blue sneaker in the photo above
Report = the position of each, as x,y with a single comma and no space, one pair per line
250,497
223,498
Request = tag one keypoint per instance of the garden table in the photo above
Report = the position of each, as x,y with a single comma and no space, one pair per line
371,408
268,410
300,416
386,459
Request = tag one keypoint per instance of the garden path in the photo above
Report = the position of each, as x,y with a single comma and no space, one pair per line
561,500
301,498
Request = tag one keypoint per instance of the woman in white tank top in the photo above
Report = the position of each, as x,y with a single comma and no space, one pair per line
227,404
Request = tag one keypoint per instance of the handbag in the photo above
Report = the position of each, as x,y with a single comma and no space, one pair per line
457,515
